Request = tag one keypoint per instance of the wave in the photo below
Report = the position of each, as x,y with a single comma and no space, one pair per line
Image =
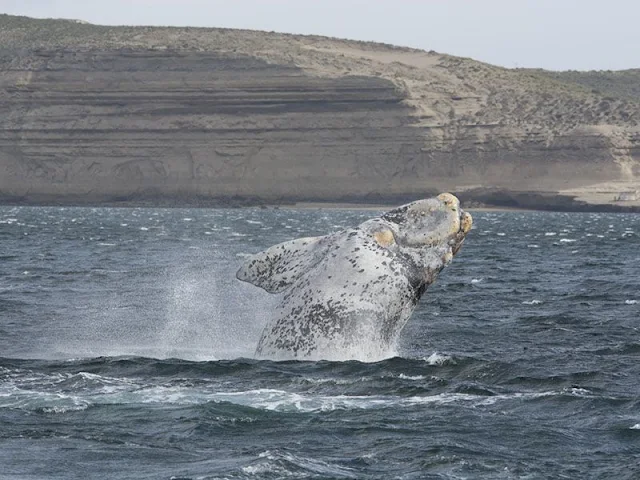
286,387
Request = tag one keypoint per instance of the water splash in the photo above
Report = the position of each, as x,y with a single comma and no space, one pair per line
209,316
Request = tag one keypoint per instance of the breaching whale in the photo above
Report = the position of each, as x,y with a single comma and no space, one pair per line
347,295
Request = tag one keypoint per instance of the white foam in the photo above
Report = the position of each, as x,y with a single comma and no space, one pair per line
283,401
437,359
532,302
630,302
284,464
335,381
533,245
567,240
635,427
412,377
58,409
476,280
550,234
476,400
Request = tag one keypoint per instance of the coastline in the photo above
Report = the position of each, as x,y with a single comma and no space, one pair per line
390,206
594,198
239,203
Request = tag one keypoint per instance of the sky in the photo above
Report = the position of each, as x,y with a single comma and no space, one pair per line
551,34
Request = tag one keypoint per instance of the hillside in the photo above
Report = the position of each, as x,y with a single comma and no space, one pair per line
93,114
622,83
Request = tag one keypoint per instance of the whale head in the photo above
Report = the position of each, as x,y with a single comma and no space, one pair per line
430,231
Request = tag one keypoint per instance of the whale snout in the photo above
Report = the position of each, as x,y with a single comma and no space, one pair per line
466,222
461,221
430,223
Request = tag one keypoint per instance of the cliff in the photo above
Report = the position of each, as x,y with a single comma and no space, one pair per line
92,114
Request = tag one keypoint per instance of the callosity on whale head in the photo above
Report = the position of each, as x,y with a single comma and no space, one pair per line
348,295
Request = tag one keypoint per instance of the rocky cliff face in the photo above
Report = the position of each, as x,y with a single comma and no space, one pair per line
91,114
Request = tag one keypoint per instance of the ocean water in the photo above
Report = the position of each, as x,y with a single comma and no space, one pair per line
126,352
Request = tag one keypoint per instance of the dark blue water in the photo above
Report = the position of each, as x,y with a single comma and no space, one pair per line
126,345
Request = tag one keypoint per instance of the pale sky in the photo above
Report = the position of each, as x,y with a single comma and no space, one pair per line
552,34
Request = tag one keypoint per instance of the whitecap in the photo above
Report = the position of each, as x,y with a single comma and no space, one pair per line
402,376
476,280
533,245
630,302
635,427
61,409
335,381
144,229
476,400
103,244
550,234
437,359
532,302
576,391
285,464
567,240
501,234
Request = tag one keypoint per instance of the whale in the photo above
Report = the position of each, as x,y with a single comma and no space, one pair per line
347,295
